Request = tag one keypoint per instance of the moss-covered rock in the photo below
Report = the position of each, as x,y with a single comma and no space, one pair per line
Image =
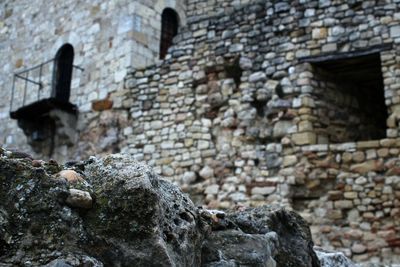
137,219
120,213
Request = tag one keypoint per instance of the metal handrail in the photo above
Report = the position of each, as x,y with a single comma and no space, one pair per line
27,80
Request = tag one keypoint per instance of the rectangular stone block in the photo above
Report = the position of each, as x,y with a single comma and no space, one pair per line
319,33
350,146
343,204
289,160
316,148
395,31
262,190
368,144
306,138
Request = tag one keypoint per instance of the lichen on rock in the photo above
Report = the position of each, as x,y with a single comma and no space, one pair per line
122,214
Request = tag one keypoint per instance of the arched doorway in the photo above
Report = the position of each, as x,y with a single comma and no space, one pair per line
62,74
169,29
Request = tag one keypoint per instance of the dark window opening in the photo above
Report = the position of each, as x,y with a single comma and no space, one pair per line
62,75
169,29
350,98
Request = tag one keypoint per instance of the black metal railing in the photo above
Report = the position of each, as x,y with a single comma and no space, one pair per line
40,77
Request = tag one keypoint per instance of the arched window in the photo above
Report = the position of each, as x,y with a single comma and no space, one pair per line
62,73
169,29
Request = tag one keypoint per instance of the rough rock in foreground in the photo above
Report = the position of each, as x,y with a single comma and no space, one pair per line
117,212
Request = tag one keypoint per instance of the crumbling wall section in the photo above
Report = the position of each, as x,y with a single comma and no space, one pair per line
232,116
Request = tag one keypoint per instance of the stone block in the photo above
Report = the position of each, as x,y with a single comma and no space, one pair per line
189,177
371,153
358,248
305,126
234,48
334,214
315,148
289,160
262,190
319,33
383,152
343,147
167,145
329,48
368,166
200,32
350,195
245,63
343,204
367,144
156,125
203,144
306,138
149,149
257,77
358,156
206,172
361,180
281,128
388,142
395,31
347,157
212,189
101,105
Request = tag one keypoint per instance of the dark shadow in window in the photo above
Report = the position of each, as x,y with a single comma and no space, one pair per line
354,86
169,29
62,75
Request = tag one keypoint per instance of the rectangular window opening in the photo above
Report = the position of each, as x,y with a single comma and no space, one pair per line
351,103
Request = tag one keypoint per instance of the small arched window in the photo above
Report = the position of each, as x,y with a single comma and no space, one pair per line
169,29
62,73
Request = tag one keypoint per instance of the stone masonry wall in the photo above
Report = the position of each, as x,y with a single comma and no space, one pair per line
108,37
209,8
233,116
350,194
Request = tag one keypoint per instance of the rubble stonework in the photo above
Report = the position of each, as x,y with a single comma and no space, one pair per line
242,113
108,38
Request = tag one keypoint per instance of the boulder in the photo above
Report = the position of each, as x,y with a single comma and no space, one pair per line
122,214
136,218
264,236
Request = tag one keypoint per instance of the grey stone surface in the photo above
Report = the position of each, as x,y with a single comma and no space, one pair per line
137,219
333,259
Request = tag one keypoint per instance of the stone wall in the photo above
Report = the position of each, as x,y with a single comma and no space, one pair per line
233,115
350,194
108,38
209,8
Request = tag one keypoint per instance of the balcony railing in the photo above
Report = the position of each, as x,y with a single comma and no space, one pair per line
33,84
